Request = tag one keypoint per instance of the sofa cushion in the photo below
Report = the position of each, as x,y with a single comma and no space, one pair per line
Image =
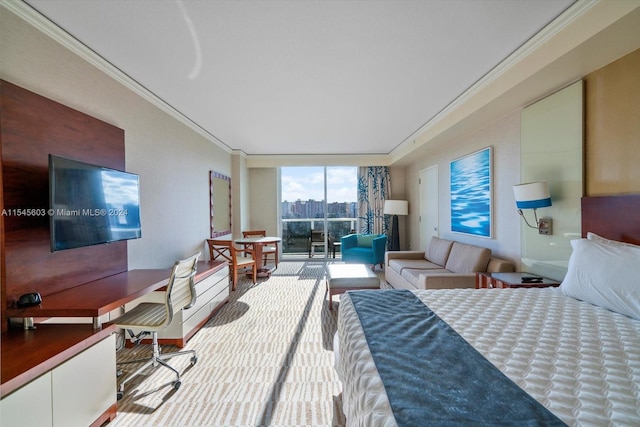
418,264
413,275
438,250
366,240
467,258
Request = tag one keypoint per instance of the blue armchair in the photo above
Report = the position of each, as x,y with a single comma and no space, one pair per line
364,248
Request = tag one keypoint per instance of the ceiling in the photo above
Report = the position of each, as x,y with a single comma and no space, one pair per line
305,77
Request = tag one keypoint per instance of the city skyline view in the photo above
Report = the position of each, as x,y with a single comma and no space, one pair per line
315,209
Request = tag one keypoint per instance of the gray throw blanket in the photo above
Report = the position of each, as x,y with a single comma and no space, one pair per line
432,376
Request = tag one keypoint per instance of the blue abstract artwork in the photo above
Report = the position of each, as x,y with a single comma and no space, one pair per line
471,194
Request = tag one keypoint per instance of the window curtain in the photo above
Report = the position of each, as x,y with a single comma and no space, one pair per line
374,187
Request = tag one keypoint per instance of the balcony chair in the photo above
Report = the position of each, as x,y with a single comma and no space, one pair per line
364,249
225,250
267,250
316,240
149,318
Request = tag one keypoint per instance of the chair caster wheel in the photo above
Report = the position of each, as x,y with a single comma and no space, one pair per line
119,395
176,385
194,360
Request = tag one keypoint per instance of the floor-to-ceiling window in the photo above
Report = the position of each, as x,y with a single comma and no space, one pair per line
317,202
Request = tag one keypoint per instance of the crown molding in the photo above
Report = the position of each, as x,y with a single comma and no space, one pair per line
582,20
44,25
239,153
553,41
277,160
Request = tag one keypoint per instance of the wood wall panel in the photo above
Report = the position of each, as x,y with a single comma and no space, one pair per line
32,128
612,128
609,217
3,295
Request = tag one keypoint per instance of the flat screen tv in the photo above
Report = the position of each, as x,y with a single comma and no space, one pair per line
91,205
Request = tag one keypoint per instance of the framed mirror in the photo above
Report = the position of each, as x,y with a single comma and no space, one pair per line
219,204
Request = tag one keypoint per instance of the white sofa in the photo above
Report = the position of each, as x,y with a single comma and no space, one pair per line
445,264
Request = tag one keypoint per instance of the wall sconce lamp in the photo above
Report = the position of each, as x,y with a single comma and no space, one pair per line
395,208
534,195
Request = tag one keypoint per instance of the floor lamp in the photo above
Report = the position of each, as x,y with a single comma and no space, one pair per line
395,208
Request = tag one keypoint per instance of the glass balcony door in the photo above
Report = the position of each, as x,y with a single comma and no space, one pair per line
317,203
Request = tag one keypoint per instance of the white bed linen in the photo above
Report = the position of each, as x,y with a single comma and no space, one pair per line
580,361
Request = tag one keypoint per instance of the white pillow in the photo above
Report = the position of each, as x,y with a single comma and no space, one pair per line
594,236
605,274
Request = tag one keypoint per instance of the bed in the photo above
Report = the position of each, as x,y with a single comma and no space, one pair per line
553,356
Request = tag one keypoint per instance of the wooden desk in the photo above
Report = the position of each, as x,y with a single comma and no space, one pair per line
28,354
96,298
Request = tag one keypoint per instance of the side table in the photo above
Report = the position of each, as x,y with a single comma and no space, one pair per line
512,280
336,245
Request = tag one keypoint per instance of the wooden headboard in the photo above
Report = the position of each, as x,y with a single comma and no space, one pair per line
612,217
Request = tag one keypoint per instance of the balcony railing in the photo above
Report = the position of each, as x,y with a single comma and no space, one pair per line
296,233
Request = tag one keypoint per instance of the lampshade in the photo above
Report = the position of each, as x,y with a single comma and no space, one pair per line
532,195
396,207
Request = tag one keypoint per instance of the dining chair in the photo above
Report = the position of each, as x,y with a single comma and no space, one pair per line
148,318
267,250
222,249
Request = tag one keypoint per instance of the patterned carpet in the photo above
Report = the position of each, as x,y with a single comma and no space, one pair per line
264,360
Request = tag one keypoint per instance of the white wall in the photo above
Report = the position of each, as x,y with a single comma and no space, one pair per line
504,136
172,160
265,200
240,198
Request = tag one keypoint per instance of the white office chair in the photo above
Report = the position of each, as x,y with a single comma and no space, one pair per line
153,317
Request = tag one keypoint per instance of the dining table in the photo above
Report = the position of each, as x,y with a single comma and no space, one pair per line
257,243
